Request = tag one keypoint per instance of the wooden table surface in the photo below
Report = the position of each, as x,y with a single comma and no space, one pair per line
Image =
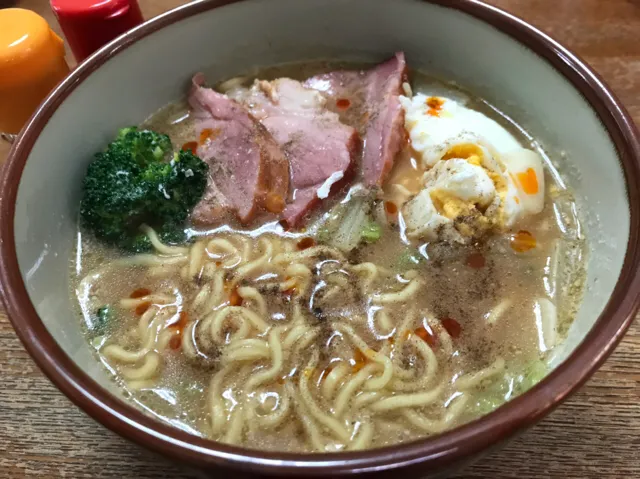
595,434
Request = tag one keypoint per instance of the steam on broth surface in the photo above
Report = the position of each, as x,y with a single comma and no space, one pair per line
294,339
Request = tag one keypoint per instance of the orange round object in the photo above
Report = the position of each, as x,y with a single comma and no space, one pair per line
522,241
31,65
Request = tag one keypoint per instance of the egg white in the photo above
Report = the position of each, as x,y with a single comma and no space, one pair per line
433,132
485,166
461,179
521,164
461,187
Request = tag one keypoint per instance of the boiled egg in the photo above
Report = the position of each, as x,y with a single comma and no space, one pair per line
477,179
436,124
524,168
464,181
453,204
422,220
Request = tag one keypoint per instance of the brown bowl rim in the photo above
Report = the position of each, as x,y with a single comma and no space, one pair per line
437,451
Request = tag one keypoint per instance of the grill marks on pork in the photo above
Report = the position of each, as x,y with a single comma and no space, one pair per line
320,149
373,108
248,170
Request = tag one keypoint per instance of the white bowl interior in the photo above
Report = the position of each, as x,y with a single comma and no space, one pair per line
233,39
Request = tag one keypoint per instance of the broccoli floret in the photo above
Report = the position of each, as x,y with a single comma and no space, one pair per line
145,146
138,180
169,233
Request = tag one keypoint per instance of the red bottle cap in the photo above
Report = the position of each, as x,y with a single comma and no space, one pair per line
90,24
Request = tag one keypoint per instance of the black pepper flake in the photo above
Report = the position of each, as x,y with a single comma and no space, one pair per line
355,256
319,314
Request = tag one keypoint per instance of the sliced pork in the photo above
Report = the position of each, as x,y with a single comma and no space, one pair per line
248,169
320,149
369,101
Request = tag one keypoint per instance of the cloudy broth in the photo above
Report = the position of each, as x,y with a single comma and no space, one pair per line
461,329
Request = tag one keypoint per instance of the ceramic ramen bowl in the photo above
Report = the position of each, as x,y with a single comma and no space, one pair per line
499,57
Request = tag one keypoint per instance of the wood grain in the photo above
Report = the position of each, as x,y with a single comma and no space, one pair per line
596,434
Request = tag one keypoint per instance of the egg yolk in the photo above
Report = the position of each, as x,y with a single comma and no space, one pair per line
470,221
449,205
465,152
